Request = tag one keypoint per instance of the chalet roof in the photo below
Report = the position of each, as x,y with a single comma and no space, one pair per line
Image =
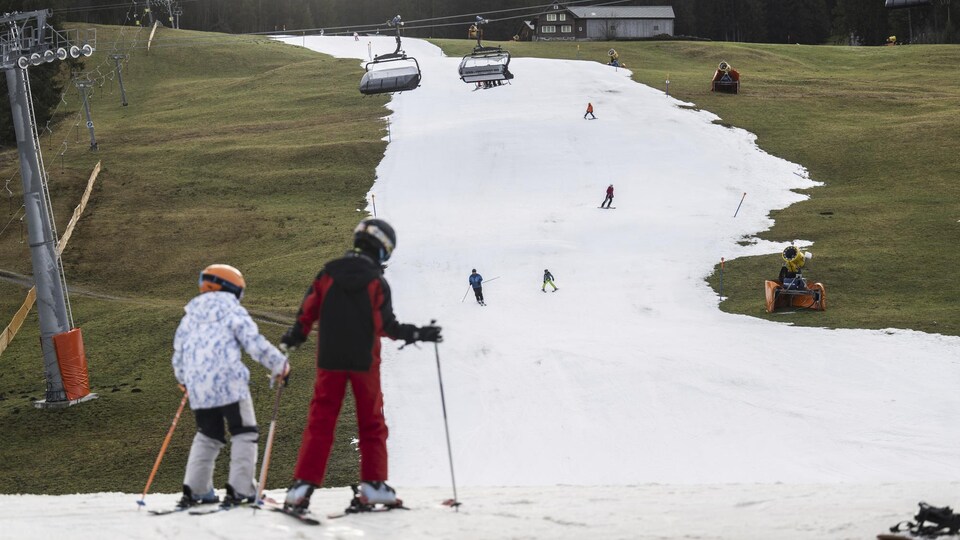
625,12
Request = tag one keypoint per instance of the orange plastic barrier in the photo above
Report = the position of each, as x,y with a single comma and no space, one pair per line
775,300
73,363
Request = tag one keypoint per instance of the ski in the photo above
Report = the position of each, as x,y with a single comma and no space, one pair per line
894,537
608,207
338,515
302,518
222,508
358,507
165,512
175,509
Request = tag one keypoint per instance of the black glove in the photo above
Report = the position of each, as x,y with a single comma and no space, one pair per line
292,338
429,333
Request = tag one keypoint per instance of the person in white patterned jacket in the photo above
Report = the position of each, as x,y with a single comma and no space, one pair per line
206,360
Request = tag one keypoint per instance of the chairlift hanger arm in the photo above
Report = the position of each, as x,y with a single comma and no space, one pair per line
397,22
480,22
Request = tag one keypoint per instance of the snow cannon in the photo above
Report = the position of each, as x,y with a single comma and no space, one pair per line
791,290
614,58
726,79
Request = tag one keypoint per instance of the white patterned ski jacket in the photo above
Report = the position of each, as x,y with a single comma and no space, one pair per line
206,350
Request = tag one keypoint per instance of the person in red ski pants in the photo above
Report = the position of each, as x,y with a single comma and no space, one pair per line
350,302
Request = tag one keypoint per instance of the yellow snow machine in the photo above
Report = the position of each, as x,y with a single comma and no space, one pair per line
791,290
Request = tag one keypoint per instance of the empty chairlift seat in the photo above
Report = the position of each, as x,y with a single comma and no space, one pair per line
389,75
485,66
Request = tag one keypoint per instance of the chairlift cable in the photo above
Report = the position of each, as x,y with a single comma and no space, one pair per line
408,24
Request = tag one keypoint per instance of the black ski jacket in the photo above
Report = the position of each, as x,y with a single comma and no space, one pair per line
350,302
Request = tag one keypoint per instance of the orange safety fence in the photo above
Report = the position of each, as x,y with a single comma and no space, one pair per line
7,336
11,330
78,210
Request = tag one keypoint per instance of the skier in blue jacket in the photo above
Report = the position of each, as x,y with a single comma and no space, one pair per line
476,281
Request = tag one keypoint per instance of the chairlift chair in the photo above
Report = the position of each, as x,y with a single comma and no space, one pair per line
380,79
485,64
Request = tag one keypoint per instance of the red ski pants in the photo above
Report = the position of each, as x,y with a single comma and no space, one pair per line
328,394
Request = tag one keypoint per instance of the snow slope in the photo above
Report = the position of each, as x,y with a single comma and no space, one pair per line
626,405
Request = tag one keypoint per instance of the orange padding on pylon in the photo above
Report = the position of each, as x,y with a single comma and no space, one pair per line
73,363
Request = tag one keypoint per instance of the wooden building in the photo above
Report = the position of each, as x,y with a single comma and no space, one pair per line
602,23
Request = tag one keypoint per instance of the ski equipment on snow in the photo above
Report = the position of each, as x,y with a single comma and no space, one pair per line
268,447
454,502
359,506
163,449
302,517
931,521
181,507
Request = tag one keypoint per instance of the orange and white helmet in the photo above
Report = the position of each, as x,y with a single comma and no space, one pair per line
222,277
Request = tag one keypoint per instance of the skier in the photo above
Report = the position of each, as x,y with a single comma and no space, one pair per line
351,303
589,111
356,36
206,361
547,279
476,281
609,198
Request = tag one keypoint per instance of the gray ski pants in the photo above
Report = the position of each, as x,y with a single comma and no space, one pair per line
211,437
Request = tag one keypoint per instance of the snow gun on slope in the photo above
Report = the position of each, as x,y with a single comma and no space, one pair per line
790,290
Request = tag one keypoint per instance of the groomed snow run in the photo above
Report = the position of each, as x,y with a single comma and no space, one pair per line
625,405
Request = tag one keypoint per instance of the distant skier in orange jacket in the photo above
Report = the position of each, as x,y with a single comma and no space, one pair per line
589,111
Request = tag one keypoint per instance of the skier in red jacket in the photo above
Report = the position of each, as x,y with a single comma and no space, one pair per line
350,302
589,111
609,199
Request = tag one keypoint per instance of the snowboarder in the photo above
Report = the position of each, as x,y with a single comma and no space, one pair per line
476,281
206,361
609,198
589,111
350,302
547,280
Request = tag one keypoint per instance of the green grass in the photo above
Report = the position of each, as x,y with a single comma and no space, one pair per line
243,151
252,153
878,125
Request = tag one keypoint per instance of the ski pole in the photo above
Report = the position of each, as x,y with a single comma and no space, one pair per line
449,502
268,448
163,449
741,202
470,287
721,279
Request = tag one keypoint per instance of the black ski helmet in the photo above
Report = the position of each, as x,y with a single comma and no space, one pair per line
375,235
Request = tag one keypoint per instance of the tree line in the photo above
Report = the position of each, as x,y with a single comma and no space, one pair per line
859,22
863,22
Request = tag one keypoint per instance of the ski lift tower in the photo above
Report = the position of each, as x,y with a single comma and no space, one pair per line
27,40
